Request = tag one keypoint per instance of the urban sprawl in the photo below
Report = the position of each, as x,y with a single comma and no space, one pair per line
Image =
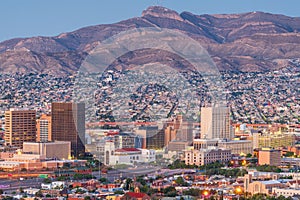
150,144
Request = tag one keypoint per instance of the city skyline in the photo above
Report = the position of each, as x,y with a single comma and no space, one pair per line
139,110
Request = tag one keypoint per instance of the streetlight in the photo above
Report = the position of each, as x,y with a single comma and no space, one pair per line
205,193
238,191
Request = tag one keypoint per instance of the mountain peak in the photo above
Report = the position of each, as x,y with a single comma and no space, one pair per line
159,11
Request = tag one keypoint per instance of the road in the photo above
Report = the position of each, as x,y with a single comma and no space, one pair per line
127,173
10,185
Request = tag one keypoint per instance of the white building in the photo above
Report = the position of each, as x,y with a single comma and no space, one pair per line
148,155
286,192
129,156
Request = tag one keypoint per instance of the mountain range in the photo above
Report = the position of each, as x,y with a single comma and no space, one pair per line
253,41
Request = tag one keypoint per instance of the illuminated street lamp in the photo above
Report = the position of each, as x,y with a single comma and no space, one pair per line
205,193
238,191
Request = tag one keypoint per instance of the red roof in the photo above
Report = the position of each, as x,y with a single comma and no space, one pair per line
135,195
127,149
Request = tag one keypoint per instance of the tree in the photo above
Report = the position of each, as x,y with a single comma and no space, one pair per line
119,192
128,183
192,192
180,181
7,198
87,198
289,154
39,194
103,180
141,180
268,168
170,191
23,170
21,190
47,180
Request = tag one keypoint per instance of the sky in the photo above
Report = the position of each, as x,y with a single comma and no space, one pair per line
27,18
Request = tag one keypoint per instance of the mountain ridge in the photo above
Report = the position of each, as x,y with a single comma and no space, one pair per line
254,41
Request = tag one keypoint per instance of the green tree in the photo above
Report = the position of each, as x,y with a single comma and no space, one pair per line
47,180
192,192
87,198
128,183
21,190
39,194
7,198
170,191
180,181
119,192
289,154
141,180
103,180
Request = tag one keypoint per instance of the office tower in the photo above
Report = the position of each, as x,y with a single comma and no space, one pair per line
152,137
68,124
215,123
20,127
179,129
44,129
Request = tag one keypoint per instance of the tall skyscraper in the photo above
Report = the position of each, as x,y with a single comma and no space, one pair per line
44,129
20,127
179,129
215,123
68,124
152,137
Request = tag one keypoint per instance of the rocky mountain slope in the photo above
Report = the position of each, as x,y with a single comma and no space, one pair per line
253,41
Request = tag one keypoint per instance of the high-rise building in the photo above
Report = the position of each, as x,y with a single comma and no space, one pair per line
44,129
68,124
151,136
178,130
20,127
215,123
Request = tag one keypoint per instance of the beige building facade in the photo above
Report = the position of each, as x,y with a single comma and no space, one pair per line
269,157
215,123
20,126
206,156
240,147
54,150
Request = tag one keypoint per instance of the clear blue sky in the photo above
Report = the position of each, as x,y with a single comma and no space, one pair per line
26,18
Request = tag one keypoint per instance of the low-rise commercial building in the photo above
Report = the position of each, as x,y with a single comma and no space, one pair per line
269,157
57,149
268,140
286,192
205,156
243,147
